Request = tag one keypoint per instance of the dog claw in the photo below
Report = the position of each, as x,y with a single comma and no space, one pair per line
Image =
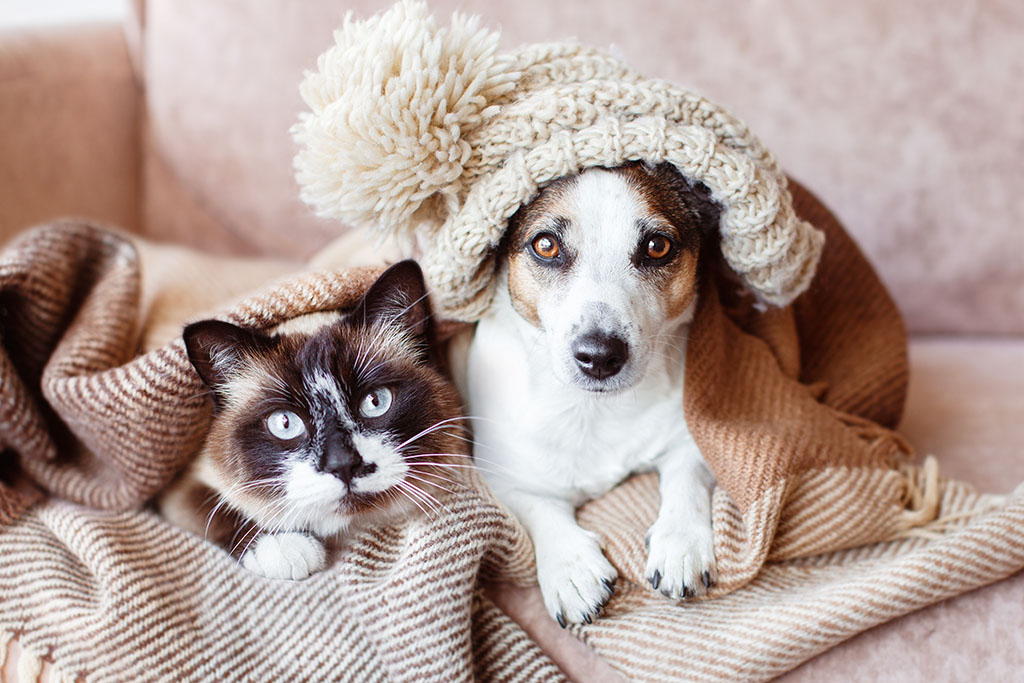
656,579
560,618
609,584
706,579
587,618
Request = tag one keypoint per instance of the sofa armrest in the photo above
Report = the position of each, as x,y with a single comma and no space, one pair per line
69,126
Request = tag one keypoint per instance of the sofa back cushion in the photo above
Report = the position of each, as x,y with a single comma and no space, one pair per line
903,117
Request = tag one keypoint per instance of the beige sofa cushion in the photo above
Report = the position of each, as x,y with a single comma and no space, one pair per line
69,127
902,117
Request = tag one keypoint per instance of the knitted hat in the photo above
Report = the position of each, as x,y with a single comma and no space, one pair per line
431,132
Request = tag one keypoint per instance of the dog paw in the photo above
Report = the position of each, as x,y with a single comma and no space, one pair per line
576,580
680,558
289,555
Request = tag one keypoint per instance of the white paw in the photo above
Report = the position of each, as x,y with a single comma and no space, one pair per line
288,555
575,579
680,557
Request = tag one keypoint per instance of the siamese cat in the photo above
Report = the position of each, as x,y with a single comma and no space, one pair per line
327,421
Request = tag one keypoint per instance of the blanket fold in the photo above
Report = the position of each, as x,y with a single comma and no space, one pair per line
823,525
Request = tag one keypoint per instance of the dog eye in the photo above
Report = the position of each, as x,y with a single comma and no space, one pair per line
658,247
546,246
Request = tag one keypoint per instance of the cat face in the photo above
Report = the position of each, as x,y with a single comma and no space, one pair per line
329,417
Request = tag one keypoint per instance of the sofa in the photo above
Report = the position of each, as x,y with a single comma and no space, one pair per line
902,117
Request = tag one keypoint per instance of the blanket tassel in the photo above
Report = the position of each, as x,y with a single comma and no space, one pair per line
5,642
921,518
922,500
30,667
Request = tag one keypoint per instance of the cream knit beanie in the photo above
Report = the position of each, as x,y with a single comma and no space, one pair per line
431,132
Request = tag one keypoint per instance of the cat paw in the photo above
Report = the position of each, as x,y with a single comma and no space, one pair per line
680,558
576,580
288,555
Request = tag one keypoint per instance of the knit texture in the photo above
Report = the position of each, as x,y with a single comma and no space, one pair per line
430,132
823,527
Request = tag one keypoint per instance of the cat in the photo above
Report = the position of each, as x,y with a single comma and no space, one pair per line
327,421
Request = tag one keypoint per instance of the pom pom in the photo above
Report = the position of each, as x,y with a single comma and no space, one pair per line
391,105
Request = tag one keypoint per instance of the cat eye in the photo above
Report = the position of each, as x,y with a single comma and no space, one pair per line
285,425
376,403
545,245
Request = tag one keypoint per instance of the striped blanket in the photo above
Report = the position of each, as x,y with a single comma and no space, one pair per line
825,524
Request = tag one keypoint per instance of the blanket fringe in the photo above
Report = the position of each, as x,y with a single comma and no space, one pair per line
30,667
885,443
922,498
5,642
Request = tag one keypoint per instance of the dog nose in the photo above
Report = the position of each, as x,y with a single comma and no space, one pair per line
600,355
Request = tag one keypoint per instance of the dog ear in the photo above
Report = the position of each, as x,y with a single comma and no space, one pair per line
694,196
708,212
398,297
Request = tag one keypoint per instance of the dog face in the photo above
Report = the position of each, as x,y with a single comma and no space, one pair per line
604,263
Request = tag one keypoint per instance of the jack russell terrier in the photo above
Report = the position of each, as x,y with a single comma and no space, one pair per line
577,373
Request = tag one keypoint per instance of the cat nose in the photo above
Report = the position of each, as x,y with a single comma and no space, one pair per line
600,355
341,461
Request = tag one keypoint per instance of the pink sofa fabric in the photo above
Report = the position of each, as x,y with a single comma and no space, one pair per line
904,117
69,111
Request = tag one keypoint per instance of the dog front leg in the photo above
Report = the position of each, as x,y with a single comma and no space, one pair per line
575,577
680,547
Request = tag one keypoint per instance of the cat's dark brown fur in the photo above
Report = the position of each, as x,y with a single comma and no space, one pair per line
327,421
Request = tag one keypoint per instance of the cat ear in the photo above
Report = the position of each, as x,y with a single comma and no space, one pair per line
216,349
398,297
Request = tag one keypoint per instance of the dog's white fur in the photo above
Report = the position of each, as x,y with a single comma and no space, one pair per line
551,438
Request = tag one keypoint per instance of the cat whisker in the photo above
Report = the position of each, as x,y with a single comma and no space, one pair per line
435,475
289,518
225,497
410,475
391,320
410,498
423,498
241,536
253,534
428,431
474,458
189,397
434,427
428,499
460,437
455,466
365,376
209,518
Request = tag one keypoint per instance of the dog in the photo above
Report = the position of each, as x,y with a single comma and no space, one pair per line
577,375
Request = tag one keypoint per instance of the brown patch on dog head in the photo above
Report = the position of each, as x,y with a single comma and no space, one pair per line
681,289
689,213
672,206
527,277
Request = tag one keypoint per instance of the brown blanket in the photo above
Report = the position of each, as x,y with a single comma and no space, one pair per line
793,410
